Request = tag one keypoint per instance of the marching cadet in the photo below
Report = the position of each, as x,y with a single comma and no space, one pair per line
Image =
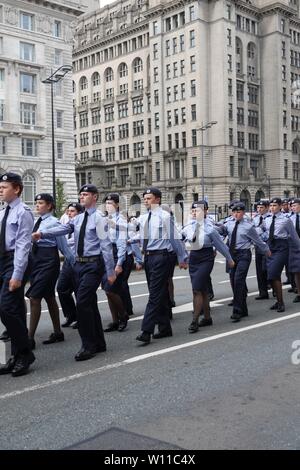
44,267
202,235
65,283
159,237
279,232
117,225
242,235
294,252
93,251
15,242
260,259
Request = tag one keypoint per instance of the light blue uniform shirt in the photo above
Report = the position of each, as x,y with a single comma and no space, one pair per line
163,234
48,222
210,238
96,240
117,230
283,230
246,235
19,225
133,246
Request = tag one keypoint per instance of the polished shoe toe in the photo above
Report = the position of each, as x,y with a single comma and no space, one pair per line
296,299
162,334
280,308
144,337
8,367
22,364
31,344
230,304
111,327
84,355
235,317
205,322
262,297
122,324
55,338
194,327
68,322
75,325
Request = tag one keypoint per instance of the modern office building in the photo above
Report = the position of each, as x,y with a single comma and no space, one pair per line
195,97
36,37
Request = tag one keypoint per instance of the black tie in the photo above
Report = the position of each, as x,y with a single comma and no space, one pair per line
35,229
233,238
260,220
272,229
80,248
297,225
146,233
3,232
196,236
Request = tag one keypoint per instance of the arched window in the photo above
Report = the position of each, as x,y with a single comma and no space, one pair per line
259,195
95,79
74,86
29,190
135,205
137,65
109,74
83,83
123,70
246,199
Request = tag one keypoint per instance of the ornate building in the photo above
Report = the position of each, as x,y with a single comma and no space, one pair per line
36,38
150,74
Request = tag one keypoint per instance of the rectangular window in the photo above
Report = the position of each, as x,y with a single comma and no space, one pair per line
169,141
138,128
285,141
193,87
241,167
229,62
157,171
174,43
108,113
193,112
240,91
181,42
254,166
194,167
96,116
29,147
240,116
286,169
124,152
193,63
230,136
155,51
110,155
194,137
295,171
137,106
109,134
27,51
57,29
231,165
2,110
3,148
96,136
138,149
241,139
27,83
59,119
60,150
182,67
192,38
183,139
26,21
58,57
138,175
123,131
110,175
157,143
123,109
27,113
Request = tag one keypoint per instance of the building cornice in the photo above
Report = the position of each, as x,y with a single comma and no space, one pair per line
247,8
164,8
67,7
277,8
106,40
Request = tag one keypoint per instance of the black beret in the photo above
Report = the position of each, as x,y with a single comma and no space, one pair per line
113,197
285,200
152,190
77,206
263,202
276,200
11,178
238,206
295,200
44,197
200,204
88,188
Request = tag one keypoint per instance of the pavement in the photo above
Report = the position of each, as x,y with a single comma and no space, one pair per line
229,386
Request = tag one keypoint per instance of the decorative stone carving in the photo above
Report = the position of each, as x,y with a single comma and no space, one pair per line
11,15
44,24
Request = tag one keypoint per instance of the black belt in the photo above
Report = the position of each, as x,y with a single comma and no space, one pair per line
156,252
87,259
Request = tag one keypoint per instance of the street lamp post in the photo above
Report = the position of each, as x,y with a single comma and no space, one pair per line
55,77
203,128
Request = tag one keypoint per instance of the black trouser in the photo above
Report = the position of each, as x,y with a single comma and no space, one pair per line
157,267
238,275
87,278
126,298
65,289
13,308
261,273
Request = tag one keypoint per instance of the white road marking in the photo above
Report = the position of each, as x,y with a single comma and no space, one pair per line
142,357
228,280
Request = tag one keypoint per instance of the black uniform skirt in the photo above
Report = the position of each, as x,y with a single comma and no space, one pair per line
44,269
275,263
294,259
116,287
200,266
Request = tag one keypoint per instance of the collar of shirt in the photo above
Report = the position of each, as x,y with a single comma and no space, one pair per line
91,210
14,203
45,216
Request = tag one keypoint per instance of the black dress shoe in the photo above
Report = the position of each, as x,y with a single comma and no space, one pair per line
130,313
235,317
292,289
68,322
211,296
296,299
111,327
162,334
194,327
8,367
122,324
230,304
262,297
100,349
274,307
31,343
84,355
205,322
144,337
280,308
22,364
75,325
5,336
172,303
55,338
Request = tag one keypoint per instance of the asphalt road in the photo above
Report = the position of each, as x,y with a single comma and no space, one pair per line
229,386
